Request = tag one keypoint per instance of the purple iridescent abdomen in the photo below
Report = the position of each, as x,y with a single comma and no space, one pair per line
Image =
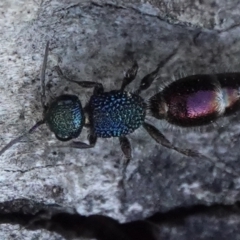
197,100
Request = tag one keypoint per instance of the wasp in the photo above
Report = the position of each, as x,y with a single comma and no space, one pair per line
116,113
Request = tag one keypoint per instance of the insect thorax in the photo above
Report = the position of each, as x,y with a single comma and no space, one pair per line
116,113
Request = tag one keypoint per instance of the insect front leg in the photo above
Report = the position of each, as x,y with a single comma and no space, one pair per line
98,87
160,138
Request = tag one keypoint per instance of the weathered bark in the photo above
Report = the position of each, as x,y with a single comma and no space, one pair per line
97,40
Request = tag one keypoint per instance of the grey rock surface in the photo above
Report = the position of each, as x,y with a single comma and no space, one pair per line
96,40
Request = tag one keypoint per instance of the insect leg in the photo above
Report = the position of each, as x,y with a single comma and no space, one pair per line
42,77
98,87
160,138
18,139
127,151
149,78
129,75
92,141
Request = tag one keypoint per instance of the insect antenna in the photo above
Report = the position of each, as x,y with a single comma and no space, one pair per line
43,102
42,78
18,139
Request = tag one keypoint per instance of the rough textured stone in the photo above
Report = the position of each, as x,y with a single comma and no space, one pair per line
96,40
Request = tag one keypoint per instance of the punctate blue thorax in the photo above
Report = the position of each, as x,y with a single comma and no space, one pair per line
116,113
65,117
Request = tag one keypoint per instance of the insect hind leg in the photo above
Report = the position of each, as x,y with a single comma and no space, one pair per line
161,139
130,75
147,80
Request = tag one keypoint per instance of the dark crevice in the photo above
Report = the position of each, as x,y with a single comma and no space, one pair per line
177,216
68,223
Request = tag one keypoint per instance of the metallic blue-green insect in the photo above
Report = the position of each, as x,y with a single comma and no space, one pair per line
107,114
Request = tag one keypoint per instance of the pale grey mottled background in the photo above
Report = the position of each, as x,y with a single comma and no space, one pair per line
95,40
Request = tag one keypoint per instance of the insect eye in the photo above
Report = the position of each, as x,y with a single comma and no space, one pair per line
65,117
